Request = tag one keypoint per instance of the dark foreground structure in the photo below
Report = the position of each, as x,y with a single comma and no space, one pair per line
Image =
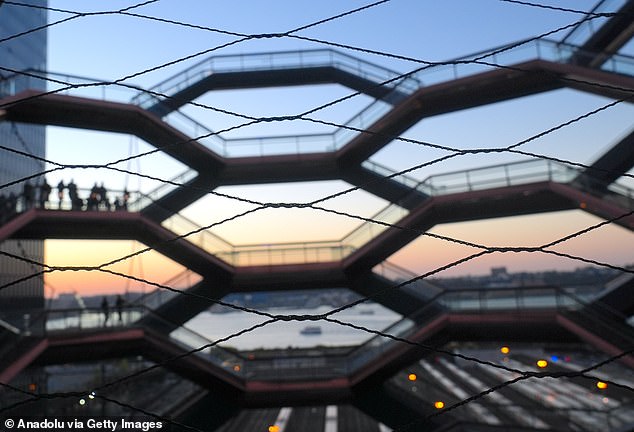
448,345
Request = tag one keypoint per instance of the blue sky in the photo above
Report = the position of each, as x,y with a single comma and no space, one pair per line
112,46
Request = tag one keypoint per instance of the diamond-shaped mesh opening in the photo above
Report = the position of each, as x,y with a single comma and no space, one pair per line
282,235
219,321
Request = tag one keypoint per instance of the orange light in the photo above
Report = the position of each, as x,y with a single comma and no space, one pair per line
412,377
542,363
602,385
32,387
236,368
505,350
583,205
439,404
274,428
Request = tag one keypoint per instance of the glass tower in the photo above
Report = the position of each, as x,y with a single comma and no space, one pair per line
20,50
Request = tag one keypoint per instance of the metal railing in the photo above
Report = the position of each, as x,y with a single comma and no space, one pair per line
503,175
273,61
159,296
194,233
435,73
285,253
143,200
515,299
68,84
583,31
397,275
324,362
496,176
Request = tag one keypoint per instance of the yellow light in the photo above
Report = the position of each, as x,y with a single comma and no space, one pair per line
505,350
602,385
439,404
412,377
274,428
542,363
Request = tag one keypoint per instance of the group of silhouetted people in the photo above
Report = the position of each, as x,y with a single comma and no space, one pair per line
32,196
37,196
105,309
97,198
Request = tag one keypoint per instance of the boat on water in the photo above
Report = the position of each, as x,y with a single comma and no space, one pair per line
311,330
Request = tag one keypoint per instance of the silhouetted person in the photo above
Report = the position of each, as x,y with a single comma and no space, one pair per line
93,198
92,201
105,309
118,204
75,202
60,193
126,198
103,197
72,191
45,192
119,306
27,195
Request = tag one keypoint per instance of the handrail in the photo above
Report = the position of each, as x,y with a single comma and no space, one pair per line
384,171
159,296
94,318
10,328
270,61
145,199
460,67
587,26
453,69
343,362
500,175
420,287
477,300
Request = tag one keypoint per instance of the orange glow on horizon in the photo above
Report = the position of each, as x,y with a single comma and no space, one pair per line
150,266
610,243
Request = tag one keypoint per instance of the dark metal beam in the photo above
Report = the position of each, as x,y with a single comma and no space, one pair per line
386,188
615,162
608,39
474,205
274,78
102,225
70,111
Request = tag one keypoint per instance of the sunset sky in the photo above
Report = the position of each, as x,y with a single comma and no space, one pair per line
111,46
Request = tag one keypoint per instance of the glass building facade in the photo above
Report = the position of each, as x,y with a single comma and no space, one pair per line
21,50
